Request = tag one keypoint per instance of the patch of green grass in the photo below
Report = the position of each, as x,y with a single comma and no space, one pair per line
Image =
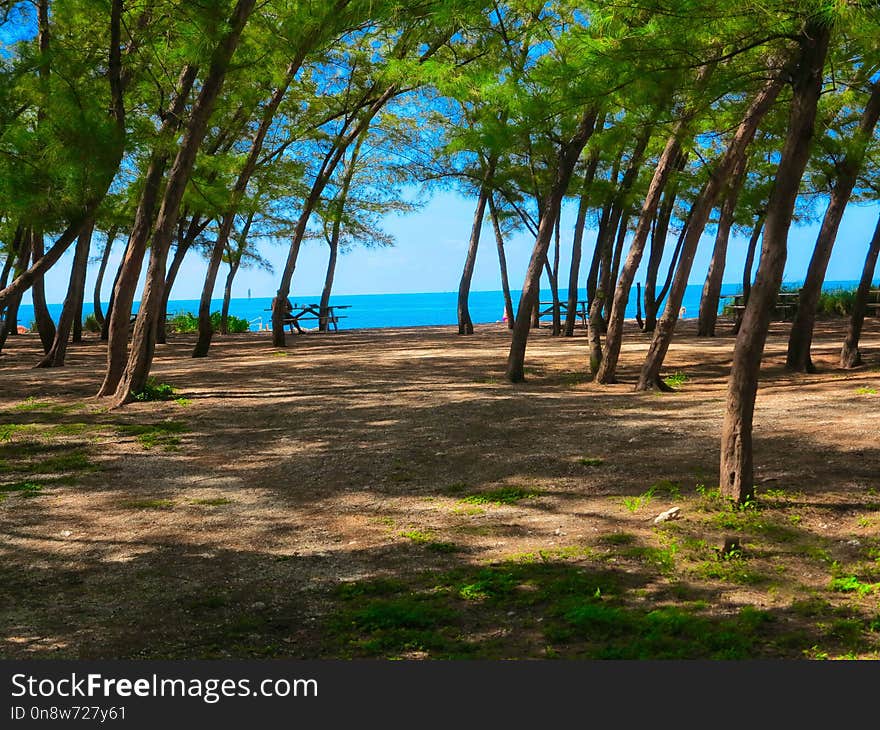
634,504
182,401
418,536
618,538
661,558
212,502
501,496
73,461
280,353
31,404
667,487
162,434
443,546
148,504
155,391
591,461
851,584
25,488
866,391
676,380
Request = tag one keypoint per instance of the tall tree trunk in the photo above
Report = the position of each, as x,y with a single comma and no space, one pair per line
699,216
465,325
566,160
45,325
850,356
801,336
502,263
613,339
659,234
143,341
737,475
323,177
577,243
227,296
610,239
711,295
57,352
118,321
105,327
20,252
185,240
99,280
748,265
614,271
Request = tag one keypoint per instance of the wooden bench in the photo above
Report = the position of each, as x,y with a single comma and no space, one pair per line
786,304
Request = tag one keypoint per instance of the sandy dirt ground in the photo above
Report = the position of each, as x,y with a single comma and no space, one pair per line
230,521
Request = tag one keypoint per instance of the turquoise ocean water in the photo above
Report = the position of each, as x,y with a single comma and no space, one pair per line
403,310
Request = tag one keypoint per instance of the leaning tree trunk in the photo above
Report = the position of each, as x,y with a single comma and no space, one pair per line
659,234
699,216
615,267
227,296
748,265
20,253
608,238
502,262
99,281
566,160
465,325
737,473
55,357
577,243
185,241
711,295
45,325
850,356
118,322
801,336
143,341
613,339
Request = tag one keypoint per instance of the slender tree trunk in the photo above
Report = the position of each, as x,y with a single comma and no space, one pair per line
609,240
850,356
19,254
99,281
737,475
606,372
711,295
659,234
748,265
465,325
699,216
577,243
502,262
227,296
76,336
185,241
615,266
329,165
143,341
105,327
801,336
118,320
57,352
568,156
45,325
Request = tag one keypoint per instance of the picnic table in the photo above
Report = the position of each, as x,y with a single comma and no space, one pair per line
786,303
546,310
300,313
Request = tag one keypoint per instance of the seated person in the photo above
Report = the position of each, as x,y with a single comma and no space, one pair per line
288,307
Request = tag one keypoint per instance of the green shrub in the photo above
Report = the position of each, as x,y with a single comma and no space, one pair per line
836,303
189,322
154,390
91,324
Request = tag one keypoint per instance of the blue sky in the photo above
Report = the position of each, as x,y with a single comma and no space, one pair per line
430,250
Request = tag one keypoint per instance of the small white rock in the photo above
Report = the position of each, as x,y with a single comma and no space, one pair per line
66,533
673,513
